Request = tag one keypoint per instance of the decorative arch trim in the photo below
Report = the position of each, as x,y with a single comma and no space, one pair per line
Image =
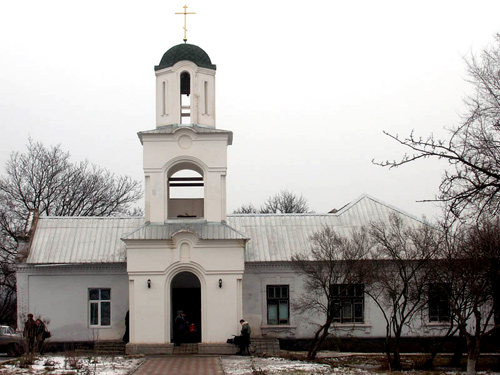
185,162
200,273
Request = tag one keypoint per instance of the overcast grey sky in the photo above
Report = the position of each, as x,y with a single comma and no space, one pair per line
306,89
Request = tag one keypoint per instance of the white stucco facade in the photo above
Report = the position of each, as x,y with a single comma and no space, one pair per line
202,94
160,262
59,294
186,253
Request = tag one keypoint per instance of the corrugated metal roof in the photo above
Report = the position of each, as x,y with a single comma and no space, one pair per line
273,237
277,237
80,239
203,229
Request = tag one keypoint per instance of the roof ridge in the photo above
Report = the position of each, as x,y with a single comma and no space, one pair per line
368,196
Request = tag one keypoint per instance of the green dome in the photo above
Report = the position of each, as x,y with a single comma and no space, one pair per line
188,52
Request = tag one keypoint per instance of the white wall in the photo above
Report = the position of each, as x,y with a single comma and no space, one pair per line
161,261
162,152
60,295
168,103
258,275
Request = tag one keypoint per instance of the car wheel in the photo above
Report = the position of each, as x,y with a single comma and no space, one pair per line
14,350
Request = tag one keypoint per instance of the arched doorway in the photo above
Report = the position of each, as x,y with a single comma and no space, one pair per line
186,297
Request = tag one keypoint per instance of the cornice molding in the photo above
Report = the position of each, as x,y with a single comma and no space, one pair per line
82,268
268,265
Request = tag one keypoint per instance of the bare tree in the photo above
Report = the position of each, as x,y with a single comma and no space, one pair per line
399,277
43,179
285,202
245,209
471,268
471,185
333,265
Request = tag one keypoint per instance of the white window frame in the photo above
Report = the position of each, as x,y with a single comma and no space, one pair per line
99,302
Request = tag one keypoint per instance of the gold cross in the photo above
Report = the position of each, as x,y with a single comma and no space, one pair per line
185,14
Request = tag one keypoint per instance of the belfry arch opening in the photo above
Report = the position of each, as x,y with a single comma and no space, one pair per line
186,299
185,90
186,192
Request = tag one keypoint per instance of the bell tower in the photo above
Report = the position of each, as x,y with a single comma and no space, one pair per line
185,87
185,157
185,256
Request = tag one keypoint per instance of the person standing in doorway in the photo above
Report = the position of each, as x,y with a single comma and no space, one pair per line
245,338
30,333
179,327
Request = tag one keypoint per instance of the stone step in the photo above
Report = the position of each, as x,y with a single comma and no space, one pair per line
186,348
110,347
265,346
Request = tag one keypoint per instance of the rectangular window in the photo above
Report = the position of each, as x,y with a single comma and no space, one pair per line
278,304
348,302
100,307
439,304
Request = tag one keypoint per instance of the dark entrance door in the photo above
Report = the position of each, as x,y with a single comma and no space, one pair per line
186,297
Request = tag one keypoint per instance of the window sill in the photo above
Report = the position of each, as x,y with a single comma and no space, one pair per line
437,324
100,327
428,326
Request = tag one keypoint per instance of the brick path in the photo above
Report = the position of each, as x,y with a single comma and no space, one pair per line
180,365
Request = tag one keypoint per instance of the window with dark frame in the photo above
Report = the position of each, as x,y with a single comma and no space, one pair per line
439,303
100,307
348,303
278,301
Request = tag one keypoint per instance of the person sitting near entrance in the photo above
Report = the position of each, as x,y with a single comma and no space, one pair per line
245,338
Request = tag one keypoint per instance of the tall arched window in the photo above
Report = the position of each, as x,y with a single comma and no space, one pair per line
185,100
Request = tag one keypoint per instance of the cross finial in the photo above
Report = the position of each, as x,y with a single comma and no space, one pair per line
185,14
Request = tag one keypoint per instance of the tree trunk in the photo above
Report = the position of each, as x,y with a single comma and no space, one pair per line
429,363
318,339
456,360
496,303
472,354
471,366
396,362
388,350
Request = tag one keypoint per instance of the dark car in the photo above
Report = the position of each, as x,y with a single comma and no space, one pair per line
11,342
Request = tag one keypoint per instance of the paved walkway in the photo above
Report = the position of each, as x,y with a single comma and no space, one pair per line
180,365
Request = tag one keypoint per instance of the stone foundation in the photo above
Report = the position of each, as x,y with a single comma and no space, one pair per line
261,346
217,348
149,348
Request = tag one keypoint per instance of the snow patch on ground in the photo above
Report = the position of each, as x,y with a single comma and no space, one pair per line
118,365
233,365
246,366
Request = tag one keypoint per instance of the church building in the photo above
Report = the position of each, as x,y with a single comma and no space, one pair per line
85,275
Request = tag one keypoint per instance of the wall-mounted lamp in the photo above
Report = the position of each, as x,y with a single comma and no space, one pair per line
220,283
149,283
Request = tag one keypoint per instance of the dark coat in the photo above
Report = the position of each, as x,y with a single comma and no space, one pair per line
29,329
